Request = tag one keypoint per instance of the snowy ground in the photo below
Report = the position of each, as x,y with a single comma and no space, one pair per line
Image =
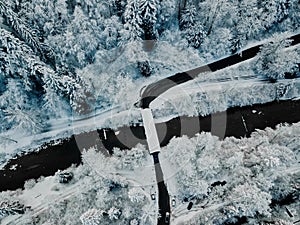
178,156
237,85
48,191
193,98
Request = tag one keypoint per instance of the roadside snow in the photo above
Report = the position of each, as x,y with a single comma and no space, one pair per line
199,98
210,92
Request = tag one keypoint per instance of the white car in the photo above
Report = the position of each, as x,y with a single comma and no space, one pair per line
153,196
167,218
173,202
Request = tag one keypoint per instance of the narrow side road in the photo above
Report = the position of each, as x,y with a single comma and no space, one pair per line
154,150
163,195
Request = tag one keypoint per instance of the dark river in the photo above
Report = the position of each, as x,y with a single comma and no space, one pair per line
239,121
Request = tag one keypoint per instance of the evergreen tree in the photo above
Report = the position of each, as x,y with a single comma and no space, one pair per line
133,21
140,19
19,61
148,10
16,104
193,29
167,15
274,60
111,33
11,208
294,15
22,30
249,22
91,217
273,12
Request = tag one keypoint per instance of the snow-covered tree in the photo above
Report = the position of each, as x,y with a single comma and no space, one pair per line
136,195
294,17
21,28
145,68
91,217
114,213
188,17
249,200
133,21
120,7
48,17
111,33
132,159
167,14
193,29
140,19
274,60
218,44
148,11
249,21
11,208
16,104
273,11
79,43
19,61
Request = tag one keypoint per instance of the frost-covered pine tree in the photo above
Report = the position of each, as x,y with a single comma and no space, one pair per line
18,61
294,15
134,222
148,11
114,213
91,217
80,42
273,11
136,195
120,7
45,16
275,60
133,21
11,208
110,35
167,15
249,22
140,19
22,29
192,28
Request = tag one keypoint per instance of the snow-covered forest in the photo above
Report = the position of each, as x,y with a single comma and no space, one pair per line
235,178
253,178
64,63
64,57
101,191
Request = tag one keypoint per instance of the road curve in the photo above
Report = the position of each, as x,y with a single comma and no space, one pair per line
152,91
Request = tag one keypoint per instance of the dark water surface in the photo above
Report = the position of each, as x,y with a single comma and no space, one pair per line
240,122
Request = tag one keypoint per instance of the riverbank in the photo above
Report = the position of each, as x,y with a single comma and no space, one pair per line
239,122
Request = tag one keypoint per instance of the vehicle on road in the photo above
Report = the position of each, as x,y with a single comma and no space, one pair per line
167,218
153,196
155,157
190,206
173,202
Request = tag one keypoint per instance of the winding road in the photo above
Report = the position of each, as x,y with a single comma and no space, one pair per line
152,91
45,162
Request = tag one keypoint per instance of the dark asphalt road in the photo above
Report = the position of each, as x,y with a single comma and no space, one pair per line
61,156
153,90
163,195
